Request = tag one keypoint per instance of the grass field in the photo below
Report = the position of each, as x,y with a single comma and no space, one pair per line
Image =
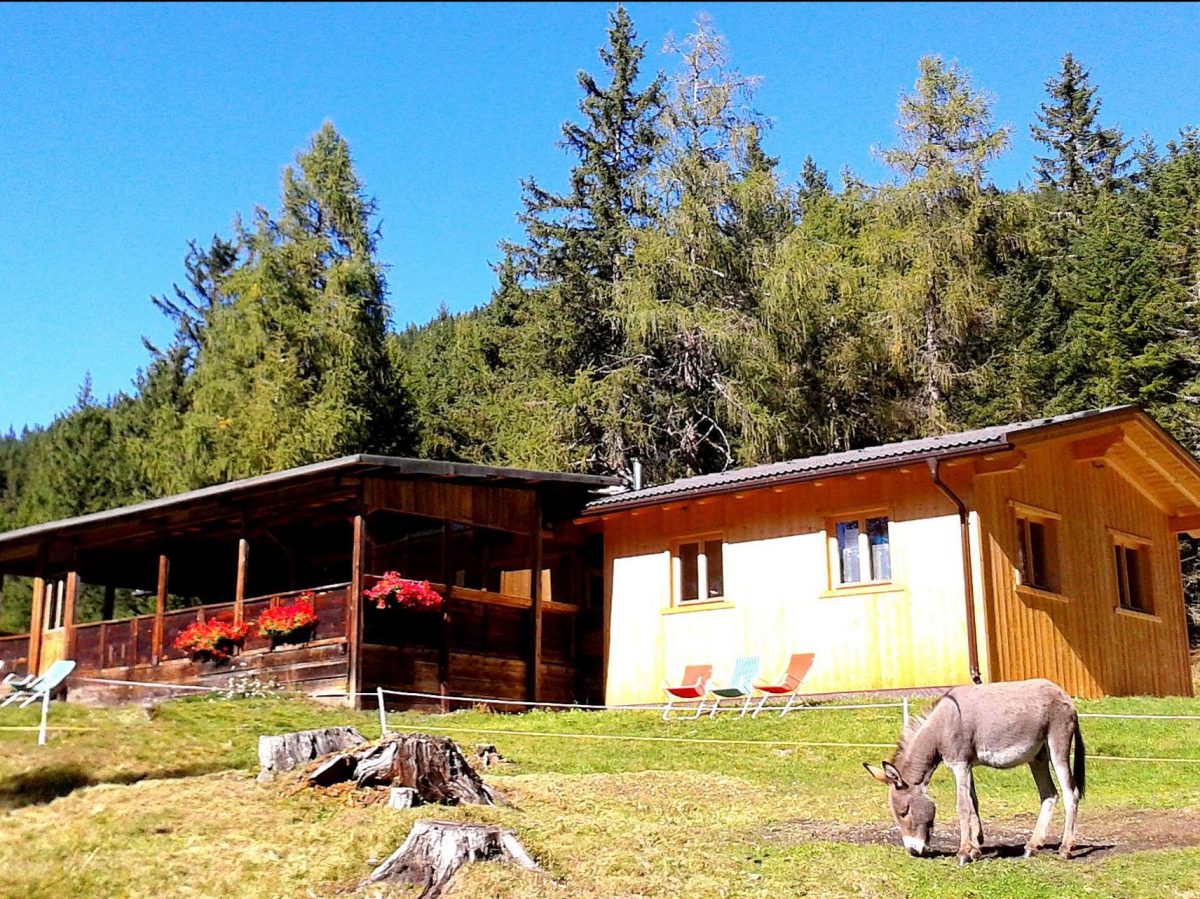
163,802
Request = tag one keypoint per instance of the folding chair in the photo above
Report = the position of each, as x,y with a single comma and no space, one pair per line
741,684
694,685
788,685
34,686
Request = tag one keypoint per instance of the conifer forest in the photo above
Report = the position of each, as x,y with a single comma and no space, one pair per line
679,301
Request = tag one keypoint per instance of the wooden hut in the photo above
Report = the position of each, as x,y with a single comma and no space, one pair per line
522,617
1040,549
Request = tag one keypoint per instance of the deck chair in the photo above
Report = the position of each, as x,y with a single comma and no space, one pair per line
35,686
741,684
694,685
787,686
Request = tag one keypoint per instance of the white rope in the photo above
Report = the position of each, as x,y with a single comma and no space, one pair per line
1142,717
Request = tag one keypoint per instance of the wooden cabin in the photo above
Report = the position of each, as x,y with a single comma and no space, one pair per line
1041,549
522,617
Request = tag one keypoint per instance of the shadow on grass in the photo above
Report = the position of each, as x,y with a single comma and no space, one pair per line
43,785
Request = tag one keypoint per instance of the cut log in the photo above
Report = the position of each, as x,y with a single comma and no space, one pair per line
432,766
287,751
435,850
402,797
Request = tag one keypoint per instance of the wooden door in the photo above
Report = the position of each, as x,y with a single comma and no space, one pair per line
54,632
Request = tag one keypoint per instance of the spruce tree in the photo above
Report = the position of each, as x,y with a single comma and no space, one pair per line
1084,155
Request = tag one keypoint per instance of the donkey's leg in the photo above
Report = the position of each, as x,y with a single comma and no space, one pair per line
1040,768
1060,756
977,822
967,851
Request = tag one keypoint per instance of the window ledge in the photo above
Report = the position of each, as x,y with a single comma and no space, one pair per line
697,606
1134,613
862,588
1039,593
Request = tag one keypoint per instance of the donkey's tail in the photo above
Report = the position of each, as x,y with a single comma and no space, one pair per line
1079,767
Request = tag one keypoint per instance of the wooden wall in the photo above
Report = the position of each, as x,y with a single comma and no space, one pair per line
778,601
1079,639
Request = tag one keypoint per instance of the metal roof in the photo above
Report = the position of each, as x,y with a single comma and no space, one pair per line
888,455
346,465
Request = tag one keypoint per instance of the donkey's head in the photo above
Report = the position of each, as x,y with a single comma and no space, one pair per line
911,806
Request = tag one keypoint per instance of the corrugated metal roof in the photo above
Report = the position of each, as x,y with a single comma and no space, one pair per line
349,465
963,442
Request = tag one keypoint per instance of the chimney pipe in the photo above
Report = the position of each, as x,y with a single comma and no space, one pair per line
635,466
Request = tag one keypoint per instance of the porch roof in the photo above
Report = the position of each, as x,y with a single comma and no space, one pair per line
332,483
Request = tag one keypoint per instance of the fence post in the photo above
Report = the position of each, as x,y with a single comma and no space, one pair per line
382,712
904,705
45,713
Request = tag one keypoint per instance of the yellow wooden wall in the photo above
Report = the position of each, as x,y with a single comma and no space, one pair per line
909,633
1081,641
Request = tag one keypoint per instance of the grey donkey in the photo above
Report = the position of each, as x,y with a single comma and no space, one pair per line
1000,725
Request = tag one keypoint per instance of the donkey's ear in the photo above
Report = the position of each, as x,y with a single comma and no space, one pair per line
893,776
878,773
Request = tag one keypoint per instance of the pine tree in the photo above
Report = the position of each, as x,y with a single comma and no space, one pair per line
1084,155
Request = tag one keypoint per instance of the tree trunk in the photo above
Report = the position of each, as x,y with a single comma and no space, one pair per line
432,766
435,850
287,751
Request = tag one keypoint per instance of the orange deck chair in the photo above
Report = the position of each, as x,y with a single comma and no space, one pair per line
694,685
797,669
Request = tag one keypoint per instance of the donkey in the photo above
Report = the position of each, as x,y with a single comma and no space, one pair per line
1000,725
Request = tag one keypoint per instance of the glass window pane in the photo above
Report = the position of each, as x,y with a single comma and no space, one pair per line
1122,592
716,568
689,580
847,536
1022,553
1133,577
1037,555
881,549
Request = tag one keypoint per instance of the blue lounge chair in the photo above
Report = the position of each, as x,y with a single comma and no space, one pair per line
36,686
741,684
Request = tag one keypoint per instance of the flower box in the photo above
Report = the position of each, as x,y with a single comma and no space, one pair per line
211,641
394,591
292,622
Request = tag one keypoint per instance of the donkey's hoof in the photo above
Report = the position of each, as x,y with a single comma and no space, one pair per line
1031,851
1065,852
964,858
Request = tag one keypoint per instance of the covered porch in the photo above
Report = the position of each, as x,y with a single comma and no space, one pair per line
522,611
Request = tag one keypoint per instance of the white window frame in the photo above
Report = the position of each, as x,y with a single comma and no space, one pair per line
834,550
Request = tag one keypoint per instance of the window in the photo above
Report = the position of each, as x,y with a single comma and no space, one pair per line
863,550
1037,550
1132,558
699,570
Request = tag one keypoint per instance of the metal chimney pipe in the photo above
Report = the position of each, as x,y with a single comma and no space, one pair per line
635,466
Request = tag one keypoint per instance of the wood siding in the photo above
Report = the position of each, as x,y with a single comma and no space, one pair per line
1078,638
777,596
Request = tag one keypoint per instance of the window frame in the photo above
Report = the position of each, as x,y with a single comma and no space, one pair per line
1124,542
833,555
1051,522
702,597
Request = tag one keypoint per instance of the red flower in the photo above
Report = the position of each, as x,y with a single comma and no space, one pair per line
213,638
282,621
395,590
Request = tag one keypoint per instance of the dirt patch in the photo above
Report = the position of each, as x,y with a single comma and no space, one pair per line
1101,834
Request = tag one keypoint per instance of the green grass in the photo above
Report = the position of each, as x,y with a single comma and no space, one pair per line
164,802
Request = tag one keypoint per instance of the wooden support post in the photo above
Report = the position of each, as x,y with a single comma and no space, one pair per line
444,648
160,606
69,614
535,603
354,602
109,609
239,591
37,623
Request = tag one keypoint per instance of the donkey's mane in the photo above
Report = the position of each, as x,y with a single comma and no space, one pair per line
909,732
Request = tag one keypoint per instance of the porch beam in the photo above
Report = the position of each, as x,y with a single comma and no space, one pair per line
239,591
69,614
444,648
354,601
534,688
37,615
160,606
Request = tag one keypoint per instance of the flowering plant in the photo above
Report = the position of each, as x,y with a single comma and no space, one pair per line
213,639
395,590
288,620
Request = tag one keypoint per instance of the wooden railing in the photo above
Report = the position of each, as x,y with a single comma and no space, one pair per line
14,654
128,641
492,597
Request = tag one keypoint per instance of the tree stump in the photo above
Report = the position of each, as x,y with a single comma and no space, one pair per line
287,751
432,766
435,850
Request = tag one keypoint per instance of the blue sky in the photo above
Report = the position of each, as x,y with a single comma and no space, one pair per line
129,129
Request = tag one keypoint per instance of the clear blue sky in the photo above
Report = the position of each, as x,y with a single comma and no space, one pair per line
126,130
